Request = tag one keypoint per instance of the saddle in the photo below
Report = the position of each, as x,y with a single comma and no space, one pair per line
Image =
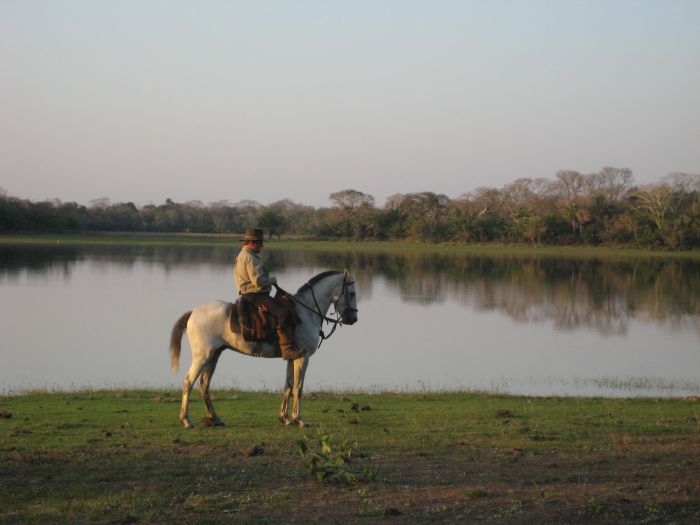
255,323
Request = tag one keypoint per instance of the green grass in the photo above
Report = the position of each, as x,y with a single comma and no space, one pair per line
123,457
343,246
109,239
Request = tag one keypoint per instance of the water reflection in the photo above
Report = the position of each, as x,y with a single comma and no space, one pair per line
603,295
100,316
599,294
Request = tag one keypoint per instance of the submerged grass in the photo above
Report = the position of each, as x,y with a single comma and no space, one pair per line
122,457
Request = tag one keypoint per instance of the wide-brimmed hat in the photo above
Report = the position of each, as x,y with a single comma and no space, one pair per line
253,235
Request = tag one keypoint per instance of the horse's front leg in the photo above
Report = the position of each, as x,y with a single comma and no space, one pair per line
300,366
294,387
288,385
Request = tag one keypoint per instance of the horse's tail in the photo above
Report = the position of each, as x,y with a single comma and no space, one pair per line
176,340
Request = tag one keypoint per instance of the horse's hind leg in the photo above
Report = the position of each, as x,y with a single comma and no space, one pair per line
204,382
190,379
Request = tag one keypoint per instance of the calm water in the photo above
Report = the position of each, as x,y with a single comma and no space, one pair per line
76,318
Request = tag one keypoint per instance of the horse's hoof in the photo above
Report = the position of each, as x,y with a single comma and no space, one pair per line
209,422
188,425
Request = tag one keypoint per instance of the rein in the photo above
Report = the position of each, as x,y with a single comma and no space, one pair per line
317,311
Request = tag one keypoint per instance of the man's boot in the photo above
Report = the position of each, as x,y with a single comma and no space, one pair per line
285,336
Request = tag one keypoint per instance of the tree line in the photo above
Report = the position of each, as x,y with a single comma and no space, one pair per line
571,208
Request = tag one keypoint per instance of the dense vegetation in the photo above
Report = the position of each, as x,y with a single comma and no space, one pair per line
570,209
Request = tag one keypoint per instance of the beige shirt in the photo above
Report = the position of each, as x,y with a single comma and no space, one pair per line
250,273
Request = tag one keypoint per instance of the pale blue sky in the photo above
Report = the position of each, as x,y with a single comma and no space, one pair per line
147,100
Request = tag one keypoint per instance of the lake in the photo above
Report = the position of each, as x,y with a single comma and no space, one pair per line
100,317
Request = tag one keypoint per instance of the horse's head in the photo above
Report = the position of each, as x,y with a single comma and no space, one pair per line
346,302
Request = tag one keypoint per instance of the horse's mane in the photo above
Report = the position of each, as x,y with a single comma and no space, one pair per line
317,278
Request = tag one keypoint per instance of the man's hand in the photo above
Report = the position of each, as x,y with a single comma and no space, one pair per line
273,281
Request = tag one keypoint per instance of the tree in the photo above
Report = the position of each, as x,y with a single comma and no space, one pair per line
464,215
523,201
272,221
667,205
299,219
612,183
655,200
425,213
248,211
355,214
567,190
351,199
568,184
102,202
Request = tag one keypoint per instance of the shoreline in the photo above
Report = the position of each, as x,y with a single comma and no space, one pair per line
190,239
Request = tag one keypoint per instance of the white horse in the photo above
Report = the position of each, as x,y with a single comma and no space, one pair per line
209,333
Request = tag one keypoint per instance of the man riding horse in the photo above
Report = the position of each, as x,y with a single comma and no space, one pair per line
254,285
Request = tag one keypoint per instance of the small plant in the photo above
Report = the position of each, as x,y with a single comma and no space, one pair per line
596,506
369,474
373,509
328,463
478,493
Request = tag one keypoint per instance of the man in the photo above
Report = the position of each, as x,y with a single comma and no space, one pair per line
254,285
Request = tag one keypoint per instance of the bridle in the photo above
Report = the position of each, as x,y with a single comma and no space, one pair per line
344,294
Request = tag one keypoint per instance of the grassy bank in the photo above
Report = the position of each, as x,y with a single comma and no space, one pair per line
108,239
122,457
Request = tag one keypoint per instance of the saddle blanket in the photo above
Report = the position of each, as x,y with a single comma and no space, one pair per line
256,323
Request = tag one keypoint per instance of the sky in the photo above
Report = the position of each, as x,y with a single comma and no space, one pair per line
144,100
